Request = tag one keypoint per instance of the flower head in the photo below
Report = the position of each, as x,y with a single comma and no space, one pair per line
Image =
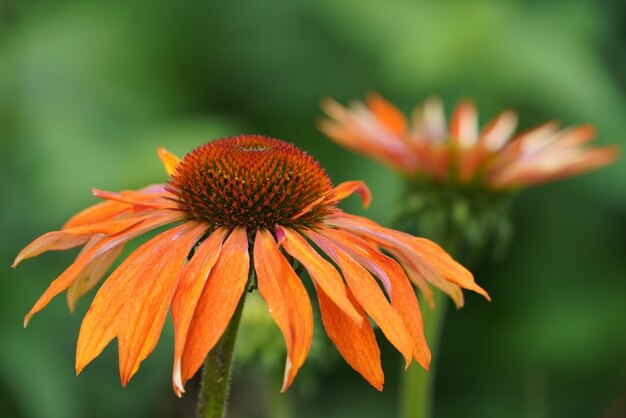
461,153
232,205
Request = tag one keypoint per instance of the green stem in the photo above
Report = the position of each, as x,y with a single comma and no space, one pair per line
217,369
417,384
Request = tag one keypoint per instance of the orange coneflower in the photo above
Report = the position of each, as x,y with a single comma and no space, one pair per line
461,153
241,203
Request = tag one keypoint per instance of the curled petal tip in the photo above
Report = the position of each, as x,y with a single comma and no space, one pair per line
347,188
177,380
27,320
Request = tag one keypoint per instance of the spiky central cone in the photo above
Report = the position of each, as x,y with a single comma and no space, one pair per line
252,181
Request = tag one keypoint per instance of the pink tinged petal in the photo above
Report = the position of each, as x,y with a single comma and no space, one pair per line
421,275
108,243
387,114
363,131
210,316
132,303
321,271
73,237
464,124
192,281
425,255
499,131
429,120
169,160
287,300
347,188
368,294
577,136
356,344
92,273
402,296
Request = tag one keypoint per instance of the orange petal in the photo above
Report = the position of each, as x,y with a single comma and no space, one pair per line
137,339
132,303
399,288
107,211
100,212
92,273
169,160
499,131
346,188
418,278
193,278
287,300
464,124
217,303
132,197
71,273
321,271
387,113
73,237
357,344
427,257
369,295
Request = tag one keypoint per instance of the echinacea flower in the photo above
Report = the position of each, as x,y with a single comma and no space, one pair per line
235,205
461,153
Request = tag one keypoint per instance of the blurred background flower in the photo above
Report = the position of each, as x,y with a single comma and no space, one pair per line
80,80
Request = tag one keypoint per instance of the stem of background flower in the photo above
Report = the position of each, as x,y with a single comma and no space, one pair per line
417,384
217,368
280,405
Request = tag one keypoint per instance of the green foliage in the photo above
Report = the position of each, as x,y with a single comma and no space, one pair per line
88,90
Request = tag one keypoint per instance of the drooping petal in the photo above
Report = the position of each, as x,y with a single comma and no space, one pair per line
69,275
418,278
192,281
399,289
133,302
321,271
287,300
427,257
356,343
388,114
217,303
169,160
368,294
92,273
73,237
347,188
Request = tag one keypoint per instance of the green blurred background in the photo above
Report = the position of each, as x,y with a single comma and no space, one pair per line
88,90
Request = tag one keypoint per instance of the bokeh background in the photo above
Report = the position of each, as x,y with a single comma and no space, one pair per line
89,89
